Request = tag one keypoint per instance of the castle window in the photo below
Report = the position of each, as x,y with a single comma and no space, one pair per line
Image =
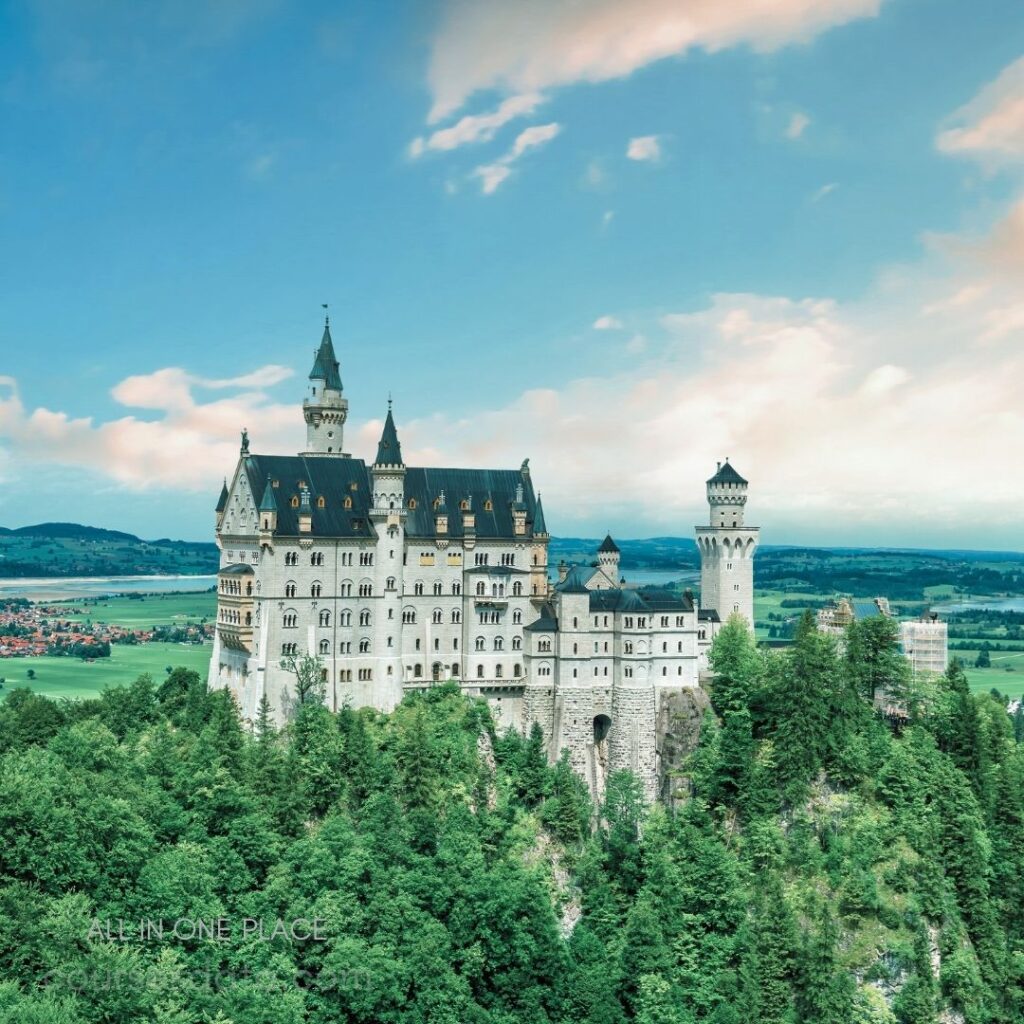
628,647
463,505
325,647
480,643
364,617
517,643
417,645
314,590
390,583
354,486
517,617
289,589
290,620
346,618
479,671
417,670
325,618
320,503
418,589
455,668
364,646
499,643
347,502
517,589
575,648
437,589
408,617
488,505
295,501
437,615
275,483
455,644
366,590
316,558
575,622
480,588
497,672
456,615
412,503
456,589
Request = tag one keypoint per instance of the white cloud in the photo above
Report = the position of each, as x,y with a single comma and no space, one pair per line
187,446
798,123
644,147
606,218
492,175
531,45
824,191
607,323
477,127
853,420
991,126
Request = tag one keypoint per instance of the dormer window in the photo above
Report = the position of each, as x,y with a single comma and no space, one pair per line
412,503
464,505
275,483
354,486
488,505
320,503
348,502
295,501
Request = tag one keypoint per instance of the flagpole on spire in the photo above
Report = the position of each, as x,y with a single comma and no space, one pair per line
327,316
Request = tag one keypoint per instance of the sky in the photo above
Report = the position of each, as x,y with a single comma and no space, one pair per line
623,238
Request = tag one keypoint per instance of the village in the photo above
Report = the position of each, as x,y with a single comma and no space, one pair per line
30,629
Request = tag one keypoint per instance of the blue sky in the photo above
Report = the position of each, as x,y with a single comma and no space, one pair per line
623,239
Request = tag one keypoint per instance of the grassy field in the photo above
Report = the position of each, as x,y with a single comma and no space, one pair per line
1006,674
145,611
71,677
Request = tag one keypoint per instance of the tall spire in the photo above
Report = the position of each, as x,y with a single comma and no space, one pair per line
222,501
325,365
269,502
539,526
389,451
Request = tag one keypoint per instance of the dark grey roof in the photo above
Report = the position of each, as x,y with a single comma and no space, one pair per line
708,615
726,475
547,623
333,480
325,365
222,501
608,546
497,570
480,486
649,601
236,569
576,580
389,451
539,526
268,502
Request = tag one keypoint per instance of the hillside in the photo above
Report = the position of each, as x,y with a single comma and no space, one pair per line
810,867
69,549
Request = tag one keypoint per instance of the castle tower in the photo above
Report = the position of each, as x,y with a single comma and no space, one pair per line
727,548
387,512
608,559
325,407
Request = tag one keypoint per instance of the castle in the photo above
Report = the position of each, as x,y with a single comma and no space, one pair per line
397,577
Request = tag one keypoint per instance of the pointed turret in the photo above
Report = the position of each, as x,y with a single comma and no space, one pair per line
325,408
540,528
268,510
608,559
325,365
222,504
389,451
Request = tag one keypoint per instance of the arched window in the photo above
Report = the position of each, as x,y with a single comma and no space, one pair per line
479,671
456,615
499,643
364,617
456,589
480,643
437,589
517,670
480,588
455,669
418,589
517,589
364,646
517,617
295,501
347,502
517,643
417,671
314,590
325,618
289,589
320,503
325,647
497,672
437,615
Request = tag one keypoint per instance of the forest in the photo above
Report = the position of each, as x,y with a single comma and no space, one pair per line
819,861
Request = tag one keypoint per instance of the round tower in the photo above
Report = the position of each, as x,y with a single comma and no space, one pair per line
325,407
727,548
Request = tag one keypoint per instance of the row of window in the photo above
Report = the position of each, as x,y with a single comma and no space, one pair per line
234,618
499,643
438,671
233,588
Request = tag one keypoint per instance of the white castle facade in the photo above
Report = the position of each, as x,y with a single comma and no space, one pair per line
396,578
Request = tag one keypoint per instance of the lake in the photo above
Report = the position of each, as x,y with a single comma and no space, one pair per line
990,604
51,589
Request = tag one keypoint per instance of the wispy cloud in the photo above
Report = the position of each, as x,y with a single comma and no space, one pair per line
475,128
532,45
607,323
492,175
827,189
990,127
798,123
644,147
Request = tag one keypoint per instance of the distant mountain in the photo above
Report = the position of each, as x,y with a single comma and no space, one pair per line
71,549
